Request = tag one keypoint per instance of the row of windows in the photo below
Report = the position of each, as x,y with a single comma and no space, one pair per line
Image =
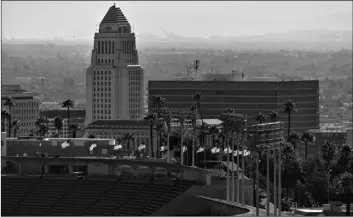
128,47
106,47
101,72
101,117
102,78
238,92
101,105
101,100
101,89
105,61
102,83
129,61
24,111
25,118
101,95
101,111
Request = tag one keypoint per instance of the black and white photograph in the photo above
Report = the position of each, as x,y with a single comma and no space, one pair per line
176,108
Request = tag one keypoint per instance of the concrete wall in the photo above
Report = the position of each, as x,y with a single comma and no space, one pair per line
193,205
216,190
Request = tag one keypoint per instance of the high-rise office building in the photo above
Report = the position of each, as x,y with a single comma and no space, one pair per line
246,97
114,80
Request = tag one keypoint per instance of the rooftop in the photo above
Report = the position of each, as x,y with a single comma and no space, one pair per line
115,15
117,124
52,113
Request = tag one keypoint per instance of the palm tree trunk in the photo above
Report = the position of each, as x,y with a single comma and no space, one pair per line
10,121
306,149
68,120
151,140
14,133
181,147
204,152
348,208
74,134
288,125
193,150
168,149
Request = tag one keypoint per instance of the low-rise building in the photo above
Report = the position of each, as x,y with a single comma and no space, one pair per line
25,108
77,116
112,129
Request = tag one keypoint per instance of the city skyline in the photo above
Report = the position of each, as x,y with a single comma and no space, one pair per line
181,18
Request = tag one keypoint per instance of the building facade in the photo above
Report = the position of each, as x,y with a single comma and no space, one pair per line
246,97
113,129
77,116
25,110
114,80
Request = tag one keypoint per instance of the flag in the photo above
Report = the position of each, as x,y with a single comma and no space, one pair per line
65,145
185,148
117,147
201,149
93,146
229,151
163,148
112,142
215,150
141,147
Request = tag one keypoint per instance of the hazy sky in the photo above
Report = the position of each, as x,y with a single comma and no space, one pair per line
55,19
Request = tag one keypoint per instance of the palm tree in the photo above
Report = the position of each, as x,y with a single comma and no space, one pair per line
307,137
4,116
329,150
42,124
58,123
260,118
289,107
74,128
152,117
181,118
160,102
197,97
294,139
10,102
91,136
15,125
274,116
68,104
167,120
345,190
127,138
192,116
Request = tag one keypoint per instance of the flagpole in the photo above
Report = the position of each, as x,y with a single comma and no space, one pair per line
268,182
243,170
275,182
227,168
233,190
279,182
257,184
238,180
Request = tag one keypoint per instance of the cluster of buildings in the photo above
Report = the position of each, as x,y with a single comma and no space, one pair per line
115,92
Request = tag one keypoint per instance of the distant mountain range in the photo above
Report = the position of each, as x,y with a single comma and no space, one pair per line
332,37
